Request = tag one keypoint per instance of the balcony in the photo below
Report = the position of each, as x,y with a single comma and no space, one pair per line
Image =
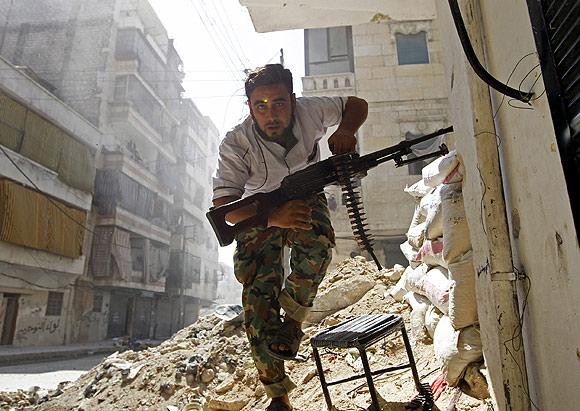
122,201
120,258
339,84
122,162
152,65
136,111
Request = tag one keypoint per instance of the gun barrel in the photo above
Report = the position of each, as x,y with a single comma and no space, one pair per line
404,147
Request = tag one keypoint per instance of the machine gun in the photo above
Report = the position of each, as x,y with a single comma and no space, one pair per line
343,169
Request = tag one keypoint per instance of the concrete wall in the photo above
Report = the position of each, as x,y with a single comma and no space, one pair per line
33,327
402,98
71,66
542,240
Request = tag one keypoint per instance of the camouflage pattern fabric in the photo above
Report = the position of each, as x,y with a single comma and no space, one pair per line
258,266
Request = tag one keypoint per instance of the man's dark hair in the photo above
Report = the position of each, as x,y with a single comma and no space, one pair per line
268,75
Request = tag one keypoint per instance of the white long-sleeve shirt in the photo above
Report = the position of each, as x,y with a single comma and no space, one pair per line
249,164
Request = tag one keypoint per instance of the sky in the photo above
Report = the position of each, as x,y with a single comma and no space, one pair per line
217,41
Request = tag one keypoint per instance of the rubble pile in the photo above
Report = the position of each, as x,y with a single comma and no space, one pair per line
207,365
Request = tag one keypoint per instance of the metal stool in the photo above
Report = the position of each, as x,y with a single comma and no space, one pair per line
362,332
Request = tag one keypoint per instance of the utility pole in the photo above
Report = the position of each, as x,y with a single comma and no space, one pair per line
282,57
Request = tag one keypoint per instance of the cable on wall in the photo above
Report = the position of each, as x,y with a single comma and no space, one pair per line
474,61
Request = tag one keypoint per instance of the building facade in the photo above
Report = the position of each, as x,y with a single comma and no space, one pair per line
47,170
113,62
396,66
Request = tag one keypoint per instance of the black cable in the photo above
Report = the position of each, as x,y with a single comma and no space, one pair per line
475,64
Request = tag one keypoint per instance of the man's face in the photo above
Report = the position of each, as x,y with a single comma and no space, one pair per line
272,108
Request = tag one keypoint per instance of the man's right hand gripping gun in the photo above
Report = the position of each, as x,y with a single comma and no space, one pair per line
339,169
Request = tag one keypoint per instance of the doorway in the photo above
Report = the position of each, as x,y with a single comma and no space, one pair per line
10,316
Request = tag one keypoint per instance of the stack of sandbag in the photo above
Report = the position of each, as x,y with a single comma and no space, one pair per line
439,283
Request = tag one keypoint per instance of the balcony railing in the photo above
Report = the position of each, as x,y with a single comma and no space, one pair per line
339,82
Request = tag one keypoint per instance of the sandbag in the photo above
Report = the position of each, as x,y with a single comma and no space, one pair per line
435,172
414,276
430,207
410,253
416,235
435,286
456,349
419,306
431,253
462,295
432,317
418,190
456,239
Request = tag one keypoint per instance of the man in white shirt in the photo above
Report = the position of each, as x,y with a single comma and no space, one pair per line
280,137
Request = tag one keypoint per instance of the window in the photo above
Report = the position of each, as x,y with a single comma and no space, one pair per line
137,254
328,50
412,48
54,304
97,303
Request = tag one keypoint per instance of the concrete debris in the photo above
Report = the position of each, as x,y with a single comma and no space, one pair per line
207,365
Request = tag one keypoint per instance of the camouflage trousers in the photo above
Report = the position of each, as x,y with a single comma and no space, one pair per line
258,265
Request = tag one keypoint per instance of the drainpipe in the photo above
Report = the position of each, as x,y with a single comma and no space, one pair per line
496,282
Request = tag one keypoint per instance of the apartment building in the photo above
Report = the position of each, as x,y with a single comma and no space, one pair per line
397,68
113,62
194,267
47,169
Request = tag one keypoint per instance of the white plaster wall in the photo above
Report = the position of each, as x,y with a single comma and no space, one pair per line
536,196
537,204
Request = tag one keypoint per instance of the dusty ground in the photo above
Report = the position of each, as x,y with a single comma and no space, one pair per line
206,366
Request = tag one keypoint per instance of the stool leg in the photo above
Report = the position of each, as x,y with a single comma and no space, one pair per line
322,378
411,358
370,383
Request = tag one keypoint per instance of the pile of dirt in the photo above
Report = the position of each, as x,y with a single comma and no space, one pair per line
207,365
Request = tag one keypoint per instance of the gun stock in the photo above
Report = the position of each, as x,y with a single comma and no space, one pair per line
225,231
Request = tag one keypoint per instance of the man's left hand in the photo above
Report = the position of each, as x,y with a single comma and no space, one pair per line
341,142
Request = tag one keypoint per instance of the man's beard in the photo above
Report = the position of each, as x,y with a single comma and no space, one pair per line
286,132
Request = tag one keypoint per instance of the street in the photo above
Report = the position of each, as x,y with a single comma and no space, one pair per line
46,375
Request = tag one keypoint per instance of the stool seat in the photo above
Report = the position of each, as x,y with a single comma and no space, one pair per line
358,332
361,332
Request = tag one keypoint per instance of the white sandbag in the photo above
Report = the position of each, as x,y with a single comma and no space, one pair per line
417,301
410,253
419,305
414,276
431,253
456,349
456,239
456,175
430,206
418,216
416,235
462,295
435,172
398,291
435,286
418,190
432,317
